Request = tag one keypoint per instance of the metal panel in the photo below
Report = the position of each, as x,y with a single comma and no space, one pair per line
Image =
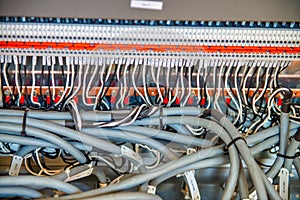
215,10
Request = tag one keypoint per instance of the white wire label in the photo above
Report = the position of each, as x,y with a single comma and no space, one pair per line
284,183
80,175
193,186
15,165
149,5
131,154
151,189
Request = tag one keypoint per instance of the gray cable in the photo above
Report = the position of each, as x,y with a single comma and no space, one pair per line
291,150
126,196
66,132
284,124
261,135
39,181
8,192
141,178
297,166
46,136
25,141
245,153
161,134
126,136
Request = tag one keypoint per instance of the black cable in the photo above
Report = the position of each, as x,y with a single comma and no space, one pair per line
41,83
26,88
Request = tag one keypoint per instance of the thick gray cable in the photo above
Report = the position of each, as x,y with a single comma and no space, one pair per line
66,132
8,192
15,139
210,162
39,181
25,141
48,137
261,135
54,115
284,135
202,154
243,185
151,174
141,178
24,150
220,156
126,136
179,111
297,166
180,129
126,196
165,135
291,150
245,153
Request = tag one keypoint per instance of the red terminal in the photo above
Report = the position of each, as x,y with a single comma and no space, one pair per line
35,99
75,98
48,99
57,98
7,99
126,100
202,102
166,100
89,101
228,100
177,101
190,100
279,102
22,100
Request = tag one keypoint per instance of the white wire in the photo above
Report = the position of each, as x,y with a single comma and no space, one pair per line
78,86
176,90
66,88
78,117
264,88
101,81
158,86
182,85
155,152
136,115
217,94
121,85
33,86
53,81
121,100
84,87
46,171
90,82
17,82
200,66
227,89
190,86
205,80
245,81
240,108
134,84
144,83
6,80
72,80
195,131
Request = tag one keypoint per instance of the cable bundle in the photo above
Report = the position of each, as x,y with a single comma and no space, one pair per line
128,158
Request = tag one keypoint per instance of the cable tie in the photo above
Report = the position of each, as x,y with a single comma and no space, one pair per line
289,157
234,140
23,132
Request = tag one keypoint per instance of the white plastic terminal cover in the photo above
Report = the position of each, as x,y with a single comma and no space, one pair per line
145,4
